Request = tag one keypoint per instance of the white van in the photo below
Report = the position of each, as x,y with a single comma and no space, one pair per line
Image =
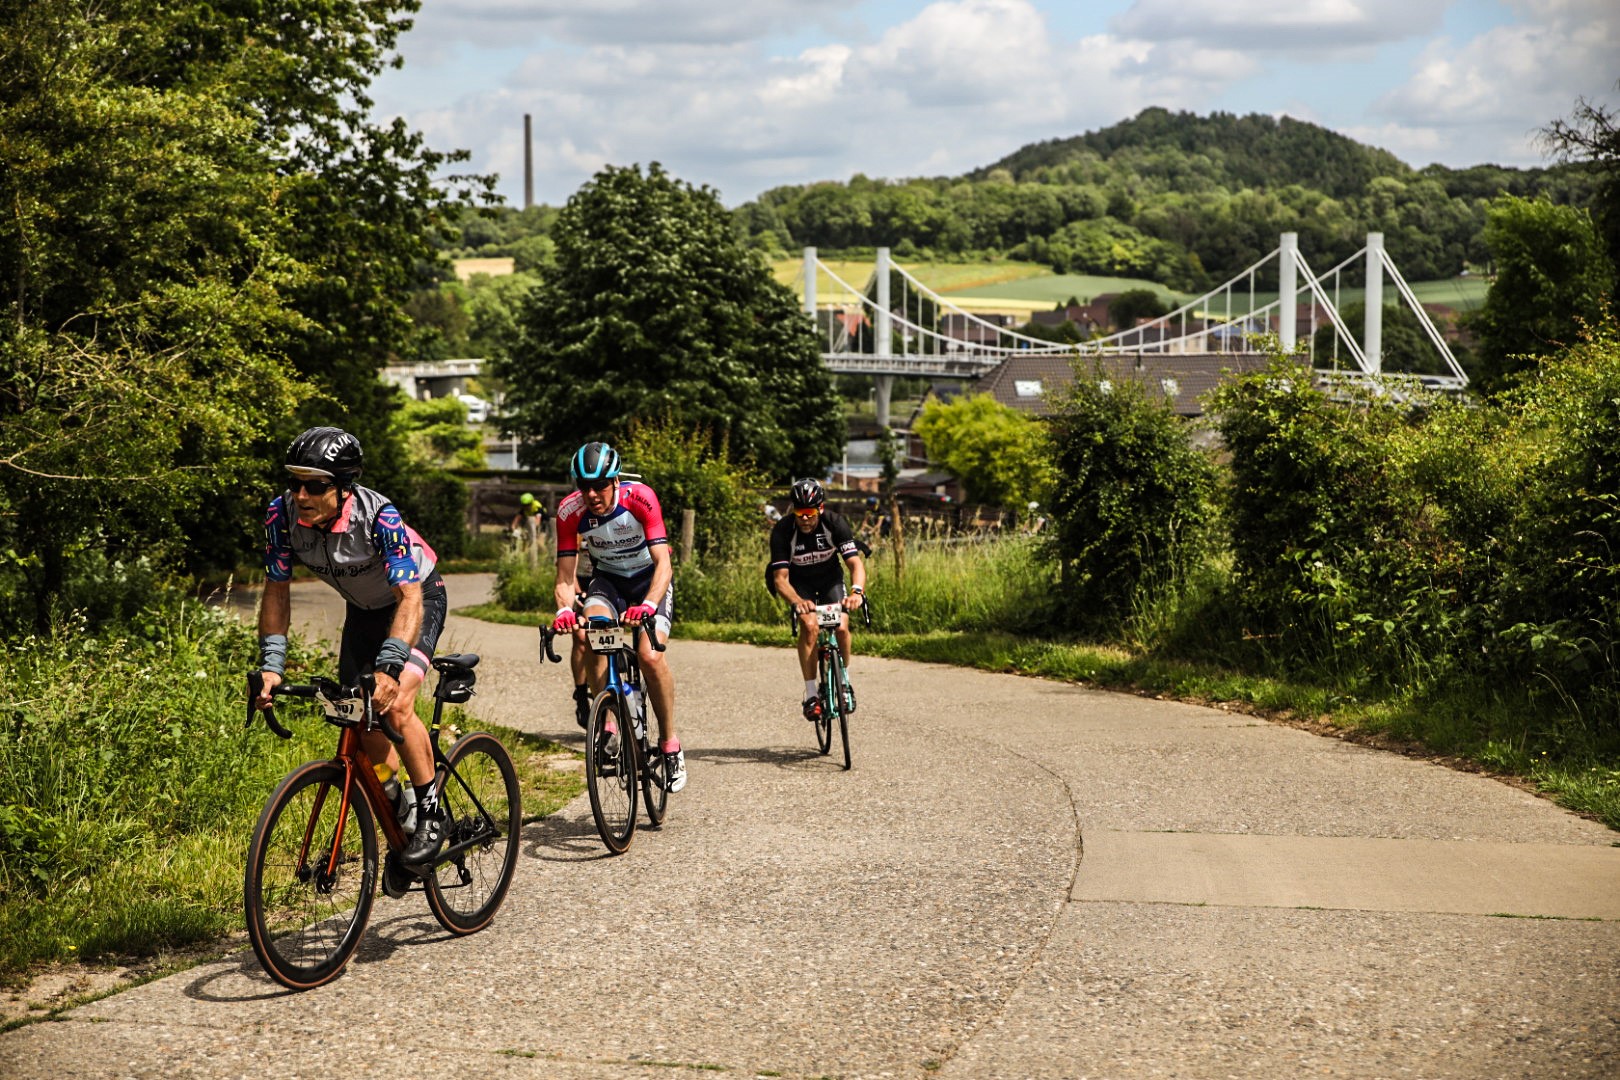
477,408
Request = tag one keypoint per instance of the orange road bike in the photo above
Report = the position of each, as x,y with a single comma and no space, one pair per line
312,866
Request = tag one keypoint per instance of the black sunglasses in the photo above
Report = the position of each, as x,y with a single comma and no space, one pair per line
311,487
595,485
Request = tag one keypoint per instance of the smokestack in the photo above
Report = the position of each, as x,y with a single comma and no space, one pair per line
528,163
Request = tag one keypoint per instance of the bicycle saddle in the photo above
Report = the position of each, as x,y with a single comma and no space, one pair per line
455,663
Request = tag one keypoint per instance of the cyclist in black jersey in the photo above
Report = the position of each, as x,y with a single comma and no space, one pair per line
804,568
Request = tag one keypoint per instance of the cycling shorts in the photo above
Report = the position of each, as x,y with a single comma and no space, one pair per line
365,630
830,593
621,594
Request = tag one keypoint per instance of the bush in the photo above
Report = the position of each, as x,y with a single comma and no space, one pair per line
522,587
434,503
1134,503
130,784
687,475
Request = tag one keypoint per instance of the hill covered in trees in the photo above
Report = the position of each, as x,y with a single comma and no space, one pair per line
1182,199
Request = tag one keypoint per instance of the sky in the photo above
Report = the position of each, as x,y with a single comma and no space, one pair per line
744,97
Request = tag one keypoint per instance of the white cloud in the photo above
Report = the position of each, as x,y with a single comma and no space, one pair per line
1492,95
960,83
519,22
1252,25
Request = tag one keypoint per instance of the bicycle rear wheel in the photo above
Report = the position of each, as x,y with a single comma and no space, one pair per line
611,778
824,718
311,877
484,802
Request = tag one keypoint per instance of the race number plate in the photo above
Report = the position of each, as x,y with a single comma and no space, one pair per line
611,639
829,614
341,710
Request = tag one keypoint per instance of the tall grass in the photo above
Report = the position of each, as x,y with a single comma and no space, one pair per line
130,785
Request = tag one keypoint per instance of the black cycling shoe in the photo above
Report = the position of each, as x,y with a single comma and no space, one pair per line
582,706
428,839
812,709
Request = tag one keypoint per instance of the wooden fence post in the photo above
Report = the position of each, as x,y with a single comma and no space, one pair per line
688,532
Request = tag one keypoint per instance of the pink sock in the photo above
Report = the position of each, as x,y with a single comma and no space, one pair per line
670,746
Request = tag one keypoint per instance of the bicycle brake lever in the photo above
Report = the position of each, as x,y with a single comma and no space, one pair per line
255,682
652,636
368,684
546,649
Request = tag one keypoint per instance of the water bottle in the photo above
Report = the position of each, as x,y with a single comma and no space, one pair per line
403,798
632,701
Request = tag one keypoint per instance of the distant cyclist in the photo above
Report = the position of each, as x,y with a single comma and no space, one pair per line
530,520
804,567
354,540
620,524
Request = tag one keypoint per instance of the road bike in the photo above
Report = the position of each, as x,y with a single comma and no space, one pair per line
837,697
617,766
312,868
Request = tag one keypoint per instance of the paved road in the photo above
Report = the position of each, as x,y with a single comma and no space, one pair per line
1018,879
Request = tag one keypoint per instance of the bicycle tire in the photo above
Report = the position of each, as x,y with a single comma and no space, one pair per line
304,923
485,805
654,769
824,719
838,696
611,783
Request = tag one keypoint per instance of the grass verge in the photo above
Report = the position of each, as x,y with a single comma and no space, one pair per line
1464,728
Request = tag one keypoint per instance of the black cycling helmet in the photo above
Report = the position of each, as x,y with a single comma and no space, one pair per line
593,463
326,451
807,494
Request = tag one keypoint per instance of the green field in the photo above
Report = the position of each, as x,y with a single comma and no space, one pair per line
1014,286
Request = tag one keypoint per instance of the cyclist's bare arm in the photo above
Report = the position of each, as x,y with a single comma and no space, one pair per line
663,573
275,616
567,581
857,579
788,593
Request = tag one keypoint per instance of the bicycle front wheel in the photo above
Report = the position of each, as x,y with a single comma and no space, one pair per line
654,774
311,877
842,704
824,718
485,805
610,772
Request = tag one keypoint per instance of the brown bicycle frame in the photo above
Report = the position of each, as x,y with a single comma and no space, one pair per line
357,768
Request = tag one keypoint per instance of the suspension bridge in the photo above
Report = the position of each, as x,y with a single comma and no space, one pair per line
915,331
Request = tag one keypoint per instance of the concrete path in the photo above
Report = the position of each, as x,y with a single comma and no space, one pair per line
1019,878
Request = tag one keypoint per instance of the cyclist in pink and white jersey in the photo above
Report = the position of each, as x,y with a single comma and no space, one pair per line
621,526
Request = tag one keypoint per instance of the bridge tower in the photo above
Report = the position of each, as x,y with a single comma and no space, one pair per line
884,325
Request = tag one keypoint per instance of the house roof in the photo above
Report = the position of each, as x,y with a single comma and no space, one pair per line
1023,382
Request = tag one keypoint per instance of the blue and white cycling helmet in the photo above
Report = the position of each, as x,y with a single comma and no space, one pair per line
592,464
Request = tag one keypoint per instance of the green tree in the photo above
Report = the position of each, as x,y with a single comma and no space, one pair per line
999,454
654,308
1552,277
144,250
1133,505
1591,138
1404,344
1134,304
202,225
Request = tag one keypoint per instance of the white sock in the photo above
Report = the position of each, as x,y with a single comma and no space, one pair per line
809,689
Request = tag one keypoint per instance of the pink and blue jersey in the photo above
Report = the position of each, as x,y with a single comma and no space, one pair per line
619,542
362,554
